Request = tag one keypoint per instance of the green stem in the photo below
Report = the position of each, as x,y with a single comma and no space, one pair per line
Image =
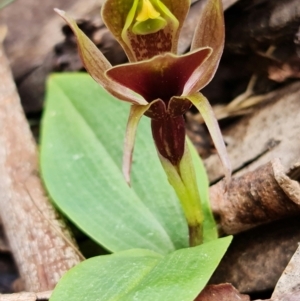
183,179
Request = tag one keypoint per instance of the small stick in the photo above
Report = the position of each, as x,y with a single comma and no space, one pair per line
258,197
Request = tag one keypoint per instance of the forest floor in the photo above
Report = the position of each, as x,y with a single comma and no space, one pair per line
255,95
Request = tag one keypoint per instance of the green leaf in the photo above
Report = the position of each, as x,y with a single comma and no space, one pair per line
81,153
81,157
4,3
142,275
210,231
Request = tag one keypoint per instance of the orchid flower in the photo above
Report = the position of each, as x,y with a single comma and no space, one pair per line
160,84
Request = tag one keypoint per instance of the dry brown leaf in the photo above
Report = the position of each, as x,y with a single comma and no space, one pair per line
267,133
289,282
256,258
221,292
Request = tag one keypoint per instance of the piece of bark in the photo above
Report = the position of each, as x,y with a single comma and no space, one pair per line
289,281
256,258
264,195
41,245
220,292
42,296
269,132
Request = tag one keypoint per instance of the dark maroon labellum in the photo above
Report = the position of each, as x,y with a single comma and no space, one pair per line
169,137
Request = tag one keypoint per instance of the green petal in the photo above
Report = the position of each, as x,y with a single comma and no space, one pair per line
136,112
209,32
119,17
202,104
96,64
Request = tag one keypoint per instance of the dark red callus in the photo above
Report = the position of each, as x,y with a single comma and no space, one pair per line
168,127
169,136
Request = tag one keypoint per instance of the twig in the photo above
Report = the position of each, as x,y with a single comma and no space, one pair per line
264,195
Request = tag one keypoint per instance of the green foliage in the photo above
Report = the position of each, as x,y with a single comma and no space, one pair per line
4,3
142,275
81,151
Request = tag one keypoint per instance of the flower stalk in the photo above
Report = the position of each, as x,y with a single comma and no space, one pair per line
183,179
